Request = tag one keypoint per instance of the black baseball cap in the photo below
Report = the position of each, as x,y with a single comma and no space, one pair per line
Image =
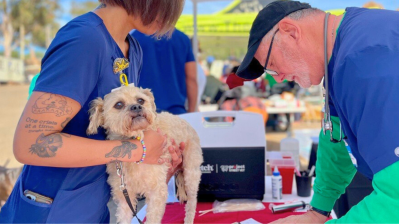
266,19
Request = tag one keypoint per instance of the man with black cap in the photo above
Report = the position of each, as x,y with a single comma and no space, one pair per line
358,54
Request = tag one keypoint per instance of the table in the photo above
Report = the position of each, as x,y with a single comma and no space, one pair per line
285,110
175,214
266,199
270,110
208,107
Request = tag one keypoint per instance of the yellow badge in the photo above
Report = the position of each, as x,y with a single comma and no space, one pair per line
120,64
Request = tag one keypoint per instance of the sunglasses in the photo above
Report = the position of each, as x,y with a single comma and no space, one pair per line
268,71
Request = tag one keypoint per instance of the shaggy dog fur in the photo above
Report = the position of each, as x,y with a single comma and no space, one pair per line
143,179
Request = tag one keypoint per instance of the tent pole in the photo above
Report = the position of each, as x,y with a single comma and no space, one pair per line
195,34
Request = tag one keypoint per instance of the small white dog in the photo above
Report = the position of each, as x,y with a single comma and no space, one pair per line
125,113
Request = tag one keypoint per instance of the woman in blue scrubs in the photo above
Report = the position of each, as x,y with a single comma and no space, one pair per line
62,162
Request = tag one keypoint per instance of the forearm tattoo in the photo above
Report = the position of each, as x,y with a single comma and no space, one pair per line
35,125
102,5
51,103
46,146
122,150
63,124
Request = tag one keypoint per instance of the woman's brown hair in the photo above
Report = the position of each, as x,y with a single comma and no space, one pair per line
164,12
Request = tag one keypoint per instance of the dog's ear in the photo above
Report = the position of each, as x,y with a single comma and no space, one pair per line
148,93
96,116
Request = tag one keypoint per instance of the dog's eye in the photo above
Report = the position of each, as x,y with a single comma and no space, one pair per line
119,105
140,101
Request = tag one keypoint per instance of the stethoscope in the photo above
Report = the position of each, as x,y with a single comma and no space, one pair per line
327,124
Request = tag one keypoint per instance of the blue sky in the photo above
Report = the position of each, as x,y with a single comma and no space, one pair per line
212,7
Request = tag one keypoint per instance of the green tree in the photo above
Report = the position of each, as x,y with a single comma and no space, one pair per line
28,18
22,17
6,27
79,8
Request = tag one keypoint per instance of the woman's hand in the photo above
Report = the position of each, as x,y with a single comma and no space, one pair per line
155,142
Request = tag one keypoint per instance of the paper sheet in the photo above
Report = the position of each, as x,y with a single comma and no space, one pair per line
248,221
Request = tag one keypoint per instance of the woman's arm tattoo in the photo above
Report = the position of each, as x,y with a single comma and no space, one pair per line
64,123
46,146
52,103
122,150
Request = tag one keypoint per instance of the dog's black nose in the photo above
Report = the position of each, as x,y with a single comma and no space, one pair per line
136,108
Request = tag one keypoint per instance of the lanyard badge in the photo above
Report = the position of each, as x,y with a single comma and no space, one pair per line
121,64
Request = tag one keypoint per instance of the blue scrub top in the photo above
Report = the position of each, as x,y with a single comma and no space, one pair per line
164,69
364,86
78,65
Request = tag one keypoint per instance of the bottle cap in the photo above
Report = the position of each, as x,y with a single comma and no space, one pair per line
276,172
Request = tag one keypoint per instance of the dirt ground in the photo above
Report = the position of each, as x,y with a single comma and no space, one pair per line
13,98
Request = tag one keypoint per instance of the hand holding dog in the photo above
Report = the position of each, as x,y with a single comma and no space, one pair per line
155,143
176,165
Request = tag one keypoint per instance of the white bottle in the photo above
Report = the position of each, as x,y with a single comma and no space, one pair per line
290,144
277,186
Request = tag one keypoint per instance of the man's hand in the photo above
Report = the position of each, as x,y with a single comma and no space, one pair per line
308,217
177,159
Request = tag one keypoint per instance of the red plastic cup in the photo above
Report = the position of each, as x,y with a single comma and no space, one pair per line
287,176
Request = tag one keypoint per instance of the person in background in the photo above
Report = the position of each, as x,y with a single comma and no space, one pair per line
201,81
201,76
63,164
170,70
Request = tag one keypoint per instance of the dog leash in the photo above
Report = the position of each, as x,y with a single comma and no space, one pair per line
122,187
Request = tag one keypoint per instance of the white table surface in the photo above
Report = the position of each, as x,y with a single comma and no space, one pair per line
270,110
285,110
287,198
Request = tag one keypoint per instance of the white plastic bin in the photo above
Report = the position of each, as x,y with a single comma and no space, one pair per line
234,154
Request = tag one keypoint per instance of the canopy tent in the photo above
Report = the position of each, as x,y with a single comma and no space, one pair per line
195,34
224,23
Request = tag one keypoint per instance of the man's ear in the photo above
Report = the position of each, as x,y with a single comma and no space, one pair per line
96,116
290,27
148,93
